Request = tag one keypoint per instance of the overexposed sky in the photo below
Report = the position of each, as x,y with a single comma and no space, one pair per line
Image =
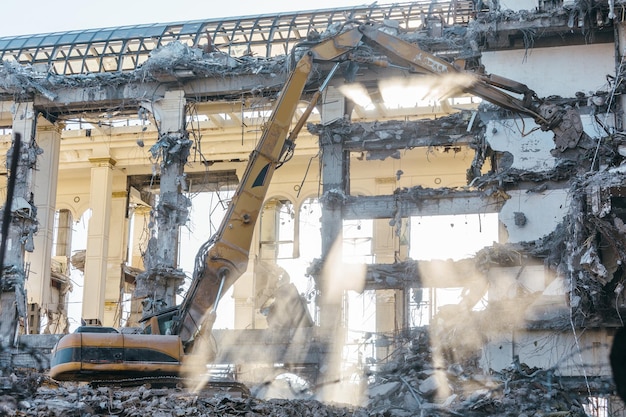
21,17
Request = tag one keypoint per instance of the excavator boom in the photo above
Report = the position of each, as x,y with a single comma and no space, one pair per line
227,258
565,123
219,263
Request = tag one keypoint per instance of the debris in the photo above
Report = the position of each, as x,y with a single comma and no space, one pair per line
408,384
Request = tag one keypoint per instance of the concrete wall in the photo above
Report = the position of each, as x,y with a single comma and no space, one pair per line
530,148
543,212
555,71
530,152
517,5
426,167
567,354
34,351
73,194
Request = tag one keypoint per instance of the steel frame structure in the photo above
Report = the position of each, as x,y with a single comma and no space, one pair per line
125,48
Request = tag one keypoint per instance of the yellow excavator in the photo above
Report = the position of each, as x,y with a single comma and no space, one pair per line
172,336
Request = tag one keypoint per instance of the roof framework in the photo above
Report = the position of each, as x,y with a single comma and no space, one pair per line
125,48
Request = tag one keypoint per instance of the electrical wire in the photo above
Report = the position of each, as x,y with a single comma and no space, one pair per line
606,115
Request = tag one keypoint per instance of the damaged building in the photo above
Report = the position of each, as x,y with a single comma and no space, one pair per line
464,206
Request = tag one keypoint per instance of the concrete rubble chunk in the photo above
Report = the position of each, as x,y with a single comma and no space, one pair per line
430,385
383,390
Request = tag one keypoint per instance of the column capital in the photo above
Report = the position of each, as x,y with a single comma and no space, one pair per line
142,210
55,128
105,161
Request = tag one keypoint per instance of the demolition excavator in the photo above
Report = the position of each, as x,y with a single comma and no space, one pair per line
171,337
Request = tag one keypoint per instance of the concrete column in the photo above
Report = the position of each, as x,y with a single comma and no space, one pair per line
22,228
268,246
118,244
390,304
159,284
334,107
45,191
335,186
249,288
96,257
64,234
57,320
140,235
244,307
245,313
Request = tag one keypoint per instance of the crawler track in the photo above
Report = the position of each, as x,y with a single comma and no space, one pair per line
211,387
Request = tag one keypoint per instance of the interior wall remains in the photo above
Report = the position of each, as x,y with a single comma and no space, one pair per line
557,71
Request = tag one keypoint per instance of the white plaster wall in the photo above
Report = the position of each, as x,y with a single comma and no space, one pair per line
518,5
530,152
547,349
544,211
558,71
497,354
530,149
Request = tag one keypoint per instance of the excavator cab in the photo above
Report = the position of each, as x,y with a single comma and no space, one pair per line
161,322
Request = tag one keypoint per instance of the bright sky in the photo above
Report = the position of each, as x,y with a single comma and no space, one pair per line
21,17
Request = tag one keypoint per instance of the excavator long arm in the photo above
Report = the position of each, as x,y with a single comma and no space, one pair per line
226,260
565,123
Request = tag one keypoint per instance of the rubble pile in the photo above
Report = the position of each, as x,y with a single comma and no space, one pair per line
176,56
52,400
412,384
421,377
174,59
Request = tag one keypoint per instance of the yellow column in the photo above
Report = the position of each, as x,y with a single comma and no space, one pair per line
118,244
141,234
44,191
96,258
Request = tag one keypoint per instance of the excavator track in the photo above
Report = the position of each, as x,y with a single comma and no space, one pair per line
211,387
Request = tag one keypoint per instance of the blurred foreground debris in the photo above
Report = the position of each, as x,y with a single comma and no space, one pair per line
417,379
83,400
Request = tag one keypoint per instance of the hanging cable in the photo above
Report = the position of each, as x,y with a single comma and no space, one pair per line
608,108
